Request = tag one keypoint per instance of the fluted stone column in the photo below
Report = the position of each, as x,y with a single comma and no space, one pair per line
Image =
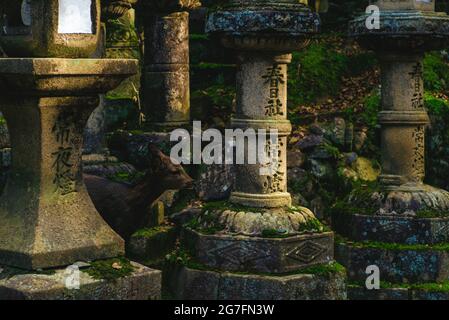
165,75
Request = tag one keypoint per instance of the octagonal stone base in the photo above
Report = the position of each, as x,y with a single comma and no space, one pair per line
411,264
188,284
360,293
269,255
143,284
392,229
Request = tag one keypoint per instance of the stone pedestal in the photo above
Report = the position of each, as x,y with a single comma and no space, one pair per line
142,284
258,231
407,232
165,76
46,216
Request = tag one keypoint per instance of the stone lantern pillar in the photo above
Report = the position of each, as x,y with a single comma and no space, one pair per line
403,209
47,219
165,76
258,231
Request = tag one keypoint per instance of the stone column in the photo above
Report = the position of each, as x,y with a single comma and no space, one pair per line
165,76
403,119
262,104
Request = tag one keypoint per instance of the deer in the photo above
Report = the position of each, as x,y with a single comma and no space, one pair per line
126,208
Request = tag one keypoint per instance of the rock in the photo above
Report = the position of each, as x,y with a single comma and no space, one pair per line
319,169
108,170
310,141
295,158
360,137
350,158
316,129
186,215
321,153
338,131
365,169
317,206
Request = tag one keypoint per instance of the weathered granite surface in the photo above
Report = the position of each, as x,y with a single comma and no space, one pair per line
393,229
47,218
241,253
143,284
359,293
185,283
396,265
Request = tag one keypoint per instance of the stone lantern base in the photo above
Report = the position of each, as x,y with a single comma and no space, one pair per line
143,284
185,283
284,254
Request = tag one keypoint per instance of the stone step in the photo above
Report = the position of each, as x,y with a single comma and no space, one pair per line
392,229
397,263
429,291
152,245
185,283
141,284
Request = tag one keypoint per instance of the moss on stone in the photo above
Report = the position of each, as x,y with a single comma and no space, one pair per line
429,286
151,232
183,257
392,246
111,269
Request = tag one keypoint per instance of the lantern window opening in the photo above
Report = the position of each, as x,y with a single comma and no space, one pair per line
77,17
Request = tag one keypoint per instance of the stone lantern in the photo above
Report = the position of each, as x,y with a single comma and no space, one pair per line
165,76
114,9
47,219
50,28
394,210
263,34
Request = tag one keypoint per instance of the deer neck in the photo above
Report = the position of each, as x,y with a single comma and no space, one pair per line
145,193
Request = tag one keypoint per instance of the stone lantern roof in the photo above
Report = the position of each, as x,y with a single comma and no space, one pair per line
405,29
263,24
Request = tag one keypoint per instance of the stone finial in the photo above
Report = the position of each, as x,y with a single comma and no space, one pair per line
50,28
114,9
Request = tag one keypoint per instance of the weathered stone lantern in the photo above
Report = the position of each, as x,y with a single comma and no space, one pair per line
165,76
47,219
263,33
114,9
408,29
50,28
393,212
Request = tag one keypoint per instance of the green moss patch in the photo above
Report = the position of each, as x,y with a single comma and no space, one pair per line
152,232
184,258
429,287
111,269
392,246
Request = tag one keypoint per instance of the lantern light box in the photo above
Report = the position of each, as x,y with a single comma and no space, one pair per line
49,28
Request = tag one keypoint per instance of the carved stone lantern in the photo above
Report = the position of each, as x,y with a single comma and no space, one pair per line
263,34
114,9
401,209
50,28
